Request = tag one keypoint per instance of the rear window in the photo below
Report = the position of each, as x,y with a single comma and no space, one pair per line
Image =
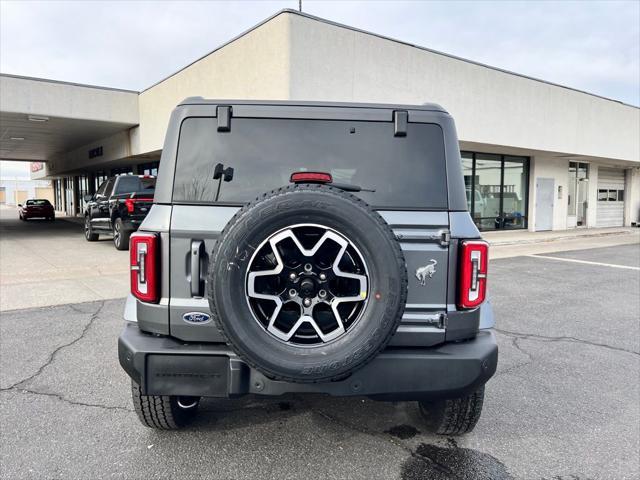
404,171
39,203
128,184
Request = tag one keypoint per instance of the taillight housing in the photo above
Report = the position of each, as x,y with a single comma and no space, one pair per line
311,177
130,203
472,273
144,263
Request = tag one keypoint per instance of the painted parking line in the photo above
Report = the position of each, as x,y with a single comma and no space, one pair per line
587,262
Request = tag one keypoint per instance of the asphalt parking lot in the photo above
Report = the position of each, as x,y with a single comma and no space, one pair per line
565,403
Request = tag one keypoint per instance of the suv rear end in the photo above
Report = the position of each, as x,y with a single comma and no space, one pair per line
397,165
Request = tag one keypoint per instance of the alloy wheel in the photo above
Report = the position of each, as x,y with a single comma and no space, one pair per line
307,285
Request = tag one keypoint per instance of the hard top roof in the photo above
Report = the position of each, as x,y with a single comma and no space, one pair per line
432,107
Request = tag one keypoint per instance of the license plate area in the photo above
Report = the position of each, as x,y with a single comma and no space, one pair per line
187,375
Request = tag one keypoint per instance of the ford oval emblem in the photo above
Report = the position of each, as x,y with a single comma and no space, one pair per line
196,318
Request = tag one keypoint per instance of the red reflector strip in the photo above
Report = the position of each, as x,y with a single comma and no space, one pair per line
145,271
472,275
314,177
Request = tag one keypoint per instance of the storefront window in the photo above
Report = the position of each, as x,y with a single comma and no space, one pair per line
467,171
487,186
496,189
150,168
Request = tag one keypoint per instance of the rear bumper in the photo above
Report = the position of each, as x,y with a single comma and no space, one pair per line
132,223
165,366
39,215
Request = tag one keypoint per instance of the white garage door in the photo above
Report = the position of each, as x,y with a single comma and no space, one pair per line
610,211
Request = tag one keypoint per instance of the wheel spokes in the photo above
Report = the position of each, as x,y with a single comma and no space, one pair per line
306,305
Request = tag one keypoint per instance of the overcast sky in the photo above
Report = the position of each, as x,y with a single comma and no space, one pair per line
589,45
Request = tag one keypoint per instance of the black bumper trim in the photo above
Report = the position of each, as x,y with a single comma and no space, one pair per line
448,371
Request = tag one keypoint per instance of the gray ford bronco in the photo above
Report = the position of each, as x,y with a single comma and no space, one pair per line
309,247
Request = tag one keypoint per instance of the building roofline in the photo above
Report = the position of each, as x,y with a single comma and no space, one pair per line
219,47
62,82
383,37
509,72
335,24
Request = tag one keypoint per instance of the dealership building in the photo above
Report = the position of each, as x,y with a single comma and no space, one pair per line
535,155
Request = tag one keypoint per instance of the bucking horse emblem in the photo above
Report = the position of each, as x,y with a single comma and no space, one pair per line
422,273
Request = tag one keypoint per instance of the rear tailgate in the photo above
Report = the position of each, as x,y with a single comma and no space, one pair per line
424,238
194,231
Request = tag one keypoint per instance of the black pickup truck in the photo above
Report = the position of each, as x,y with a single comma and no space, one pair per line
118,208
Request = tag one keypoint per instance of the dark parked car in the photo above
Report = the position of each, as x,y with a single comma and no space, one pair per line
36,208
299,247
118,207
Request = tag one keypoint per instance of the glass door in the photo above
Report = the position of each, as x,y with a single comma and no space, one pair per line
578,197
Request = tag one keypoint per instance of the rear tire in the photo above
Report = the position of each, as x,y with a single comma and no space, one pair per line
163,412
455,416
374,255
120,235
88,231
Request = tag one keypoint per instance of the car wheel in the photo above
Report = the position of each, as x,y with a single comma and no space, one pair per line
163,412
120,235
307,283
455,416
88,230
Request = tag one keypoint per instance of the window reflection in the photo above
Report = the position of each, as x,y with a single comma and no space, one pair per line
513,193
496,189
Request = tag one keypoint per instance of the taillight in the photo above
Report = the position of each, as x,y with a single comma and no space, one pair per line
145,271
472,273
129,204
311,177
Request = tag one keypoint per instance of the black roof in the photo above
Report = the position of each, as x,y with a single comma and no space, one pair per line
431,107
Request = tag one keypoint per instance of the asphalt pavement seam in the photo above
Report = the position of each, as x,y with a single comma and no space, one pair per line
57,350
543,338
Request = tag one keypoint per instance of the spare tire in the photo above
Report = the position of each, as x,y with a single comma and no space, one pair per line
307,283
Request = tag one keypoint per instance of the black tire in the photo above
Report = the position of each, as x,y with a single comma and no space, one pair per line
89,234
453,416
307,204
120,235
163,412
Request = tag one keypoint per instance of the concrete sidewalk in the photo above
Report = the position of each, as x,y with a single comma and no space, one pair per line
514,243
50,263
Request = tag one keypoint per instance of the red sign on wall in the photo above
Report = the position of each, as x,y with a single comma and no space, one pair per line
37,166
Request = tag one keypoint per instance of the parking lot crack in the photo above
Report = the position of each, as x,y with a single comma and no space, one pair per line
72,402
544,338
517,346
359,429
57,350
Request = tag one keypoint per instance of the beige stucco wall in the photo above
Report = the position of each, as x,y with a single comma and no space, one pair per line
65,100
491,107
255,66
114,148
